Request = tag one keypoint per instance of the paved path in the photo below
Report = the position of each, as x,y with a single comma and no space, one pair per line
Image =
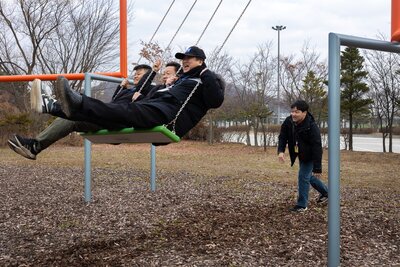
373,144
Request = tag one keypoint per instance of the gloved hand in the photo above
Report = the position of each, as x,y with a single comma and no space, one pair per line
124,84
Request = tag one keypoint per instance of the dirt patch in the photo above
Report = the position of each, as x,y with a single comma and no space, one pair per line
237,216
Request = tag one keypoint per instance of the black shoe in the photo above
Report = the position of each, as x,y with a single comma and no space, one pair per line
68,99
26,147
40,101
298,209
322,199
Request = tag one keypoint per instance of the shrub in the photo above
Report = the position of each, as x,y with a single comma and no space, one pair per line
356,130
201,131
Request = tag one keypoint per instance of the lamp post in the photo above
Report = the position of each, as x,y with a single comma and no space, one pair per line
279,28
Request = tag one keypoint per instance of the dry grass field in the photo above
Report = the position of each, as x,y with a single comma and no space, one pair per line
219,205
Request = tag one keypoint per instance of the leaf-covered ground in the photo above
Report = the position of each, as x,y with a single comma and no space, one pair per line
220,205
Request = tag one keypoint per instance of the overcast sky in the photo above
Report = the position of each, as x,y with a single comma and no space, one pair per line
306,20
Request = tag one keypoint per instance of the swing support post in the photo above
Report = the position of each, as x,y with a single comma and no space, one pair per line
88,149
335,41
88,145
153,168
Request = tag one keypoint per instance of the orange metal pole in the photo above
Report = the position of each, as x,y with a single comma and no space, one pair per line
123,33
51,77
395,21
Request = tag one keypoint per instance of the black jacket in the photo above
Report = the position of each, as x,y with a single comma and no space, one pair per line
308,138
209,94
150,94
125,95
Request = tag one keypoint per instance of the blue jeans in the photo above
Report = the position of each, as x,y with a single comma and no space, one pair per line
306,178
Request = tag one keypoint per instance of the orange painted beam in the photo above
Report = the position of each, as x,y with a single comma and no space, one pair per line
395,21
123,33
80,76
52,77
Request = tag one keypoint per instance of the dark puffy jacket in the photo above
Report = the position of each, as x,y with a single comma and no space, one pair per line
308,137
209,94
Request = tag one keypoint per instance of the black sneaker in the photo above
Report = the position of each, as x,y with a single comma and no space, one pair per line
322,199
298,209
68,99
26,147
48,103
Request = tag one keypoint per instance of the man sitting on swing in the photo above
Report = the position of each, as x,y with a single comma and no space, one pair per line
59,128
179,106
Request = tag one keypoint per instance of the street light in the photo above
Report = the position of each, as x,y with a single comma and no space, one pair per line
279,28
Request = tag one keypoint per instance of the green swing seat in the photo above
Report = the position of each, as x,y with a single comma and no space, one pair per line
158,134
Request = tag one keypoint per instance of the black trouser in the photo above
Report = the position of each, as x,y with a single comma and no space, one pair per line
120,115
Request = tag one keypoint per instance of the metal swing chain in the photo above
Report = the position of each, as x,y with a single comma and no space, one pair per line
220,48
159,25
179,28
173,122
201,35
190,10
147,79
205,28
145,82
141,88
234,26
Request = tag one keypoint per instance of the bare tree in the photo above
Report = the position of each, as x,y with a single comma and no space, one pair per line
58,36
25,27
385,84
296,70
253,87
263,69
221,64
87,42
241,81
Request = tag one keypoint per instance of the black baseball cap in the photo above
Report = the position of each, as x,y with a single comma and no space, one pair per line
192,51
142,66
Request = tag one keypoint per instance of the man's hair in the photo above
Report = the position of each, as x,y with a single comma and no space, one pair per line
176,65
300,105
142,66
